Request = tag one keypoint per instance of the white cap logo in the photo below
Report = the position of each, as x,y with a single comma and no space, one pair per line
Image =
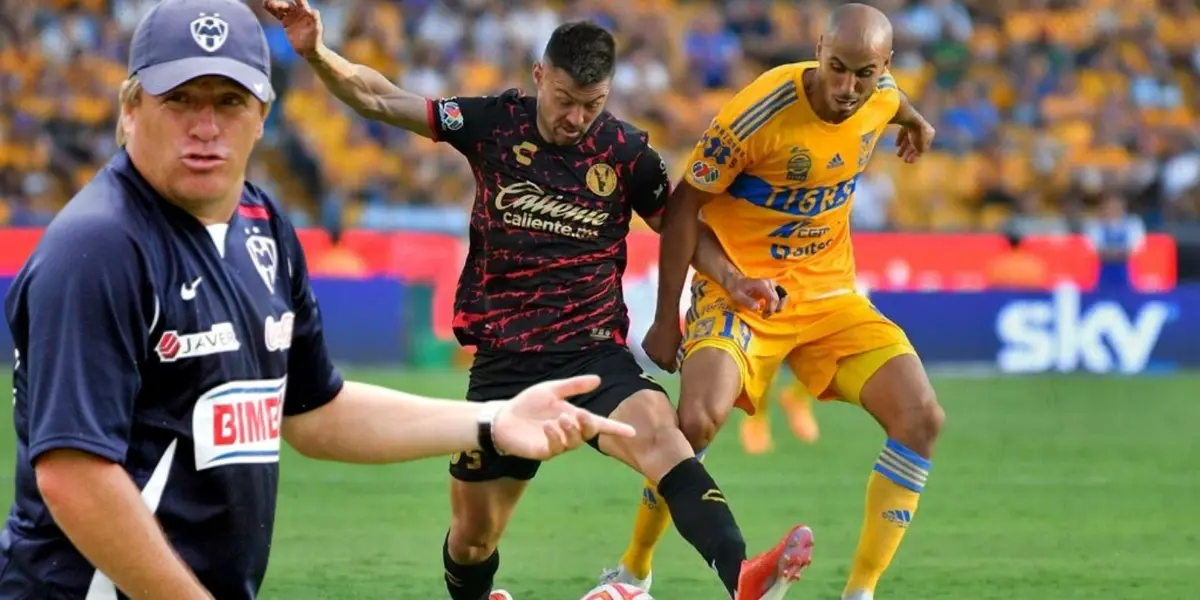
210,32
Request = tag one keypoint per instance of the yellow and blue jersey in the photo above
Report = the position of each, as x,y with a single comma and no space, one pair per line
785,180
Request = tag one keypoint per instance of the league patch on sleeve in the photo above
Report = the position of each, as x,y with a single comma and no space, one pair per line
451,115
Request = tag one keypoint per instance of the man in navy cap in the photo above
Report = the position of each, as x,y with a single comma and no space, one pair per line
168,339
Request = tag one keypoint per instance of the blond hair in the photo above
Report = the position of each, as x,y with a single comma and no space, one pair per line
129,96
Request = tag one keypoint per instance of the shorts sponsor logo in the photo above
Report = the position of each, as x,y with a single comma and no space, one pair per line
239,423
173,346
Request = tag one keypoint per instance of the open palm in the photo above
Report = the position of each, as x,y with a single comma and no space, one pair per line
539,423
301,22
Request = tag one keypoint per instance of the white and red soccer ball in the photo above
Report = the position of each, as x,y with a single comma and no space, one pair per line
617,591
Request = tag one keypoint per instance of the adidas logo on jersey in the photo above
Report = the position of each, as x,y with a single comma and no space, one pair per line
835,162
900,518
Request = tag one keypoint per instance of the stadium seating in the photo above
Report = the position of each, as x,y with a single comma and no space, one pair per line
1040,111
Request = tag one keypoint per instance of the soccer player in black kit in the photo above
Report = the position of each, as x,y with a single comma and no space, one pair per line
168,341
557,180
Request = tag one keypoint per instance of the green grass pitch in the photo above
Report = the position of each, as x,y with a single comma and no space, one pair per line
1047,488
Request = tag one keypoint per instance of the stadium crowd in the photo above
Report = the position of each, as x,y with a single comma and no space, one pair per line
1048,111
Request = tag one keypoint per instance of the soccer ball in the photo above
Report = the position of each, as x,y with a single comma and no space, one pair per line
617,591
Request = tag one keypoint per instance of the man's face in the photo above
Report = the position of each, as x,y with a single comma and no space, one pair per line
848,74
566,109
193,142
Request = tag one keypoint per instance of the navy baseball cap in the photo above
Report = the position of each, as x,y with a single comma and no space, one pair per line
180,40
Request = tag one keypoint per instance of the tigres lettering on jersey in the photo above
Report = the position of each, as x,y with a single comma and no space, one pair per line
785,180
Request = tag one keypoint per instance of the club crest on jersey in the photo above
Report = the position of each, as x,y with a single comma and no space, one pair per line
210,31
265,257
278,334
601,179
704,173
451,115
799,165
173,346
239,423
864,148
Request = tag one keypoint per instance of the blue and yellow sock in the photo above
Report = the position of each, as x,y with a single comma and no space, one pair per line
651,523
892,494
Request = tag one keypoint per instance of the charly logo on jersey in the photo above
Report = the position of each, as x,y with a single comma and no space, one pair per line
601,179
265,257
799,165
210,31
526,205
173,346
278,334
239,423
451,115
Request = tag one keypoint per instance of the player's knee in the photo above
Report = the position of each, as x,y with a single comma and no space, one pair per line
699,424
922,419
471,541
658,444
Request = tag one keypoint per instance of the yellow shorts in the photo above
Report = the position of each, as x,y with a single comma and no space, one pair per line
833,345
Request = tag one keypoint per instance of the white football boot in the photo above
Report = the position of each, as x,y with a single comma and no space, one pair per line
500,595
622,575
859,596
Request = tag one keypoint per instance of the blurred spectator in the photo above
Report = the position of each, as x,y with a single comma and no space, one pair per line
1116,235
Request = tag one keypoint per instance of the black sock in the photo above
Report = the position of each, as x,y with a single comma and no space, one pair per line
469,582
703,518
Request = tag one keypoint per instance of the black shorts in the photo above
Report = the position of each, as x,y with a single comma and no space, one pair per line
500,376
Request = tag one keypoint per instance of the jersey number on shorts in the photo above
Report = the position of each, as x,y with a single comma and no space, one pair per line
471,460
729,322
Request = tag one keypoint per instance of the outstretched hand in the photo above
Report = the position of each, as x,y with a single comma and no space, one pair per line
301,22
539,423
914,140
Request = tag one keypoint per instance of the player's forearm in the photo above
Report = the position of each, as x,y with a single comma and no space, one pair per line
677,248
369,93
99,508
906,114
711,260
375,425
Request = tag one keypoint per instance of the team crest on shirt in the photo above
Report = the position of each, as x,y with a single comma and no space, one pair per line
864,148
799,165
210,31
265,257
601,180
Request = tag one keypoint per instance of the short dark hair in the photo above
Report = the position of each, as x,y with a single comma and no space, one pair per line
585,50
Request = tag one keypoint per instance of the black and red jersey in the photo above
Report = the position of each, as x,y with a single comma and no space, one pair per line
547,244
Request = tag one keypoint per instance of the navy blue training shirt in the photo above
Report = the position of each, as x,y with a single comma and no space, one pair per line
175,350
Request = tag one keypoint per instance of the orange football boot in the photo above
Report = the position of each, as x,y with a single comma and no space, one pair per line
769,575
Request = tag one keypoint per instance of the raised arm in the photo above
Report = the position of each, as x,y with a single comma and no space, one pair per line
362,88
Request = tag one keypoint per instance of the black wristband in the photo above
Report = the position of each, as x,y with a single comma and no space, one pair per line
486,436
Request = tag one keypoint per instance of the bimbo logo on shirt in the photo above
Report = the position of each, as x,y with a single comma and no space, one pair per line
173,346
239,423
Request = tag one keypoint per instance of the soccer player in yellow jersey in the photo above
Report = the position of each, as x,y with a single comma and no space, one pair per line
774,179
